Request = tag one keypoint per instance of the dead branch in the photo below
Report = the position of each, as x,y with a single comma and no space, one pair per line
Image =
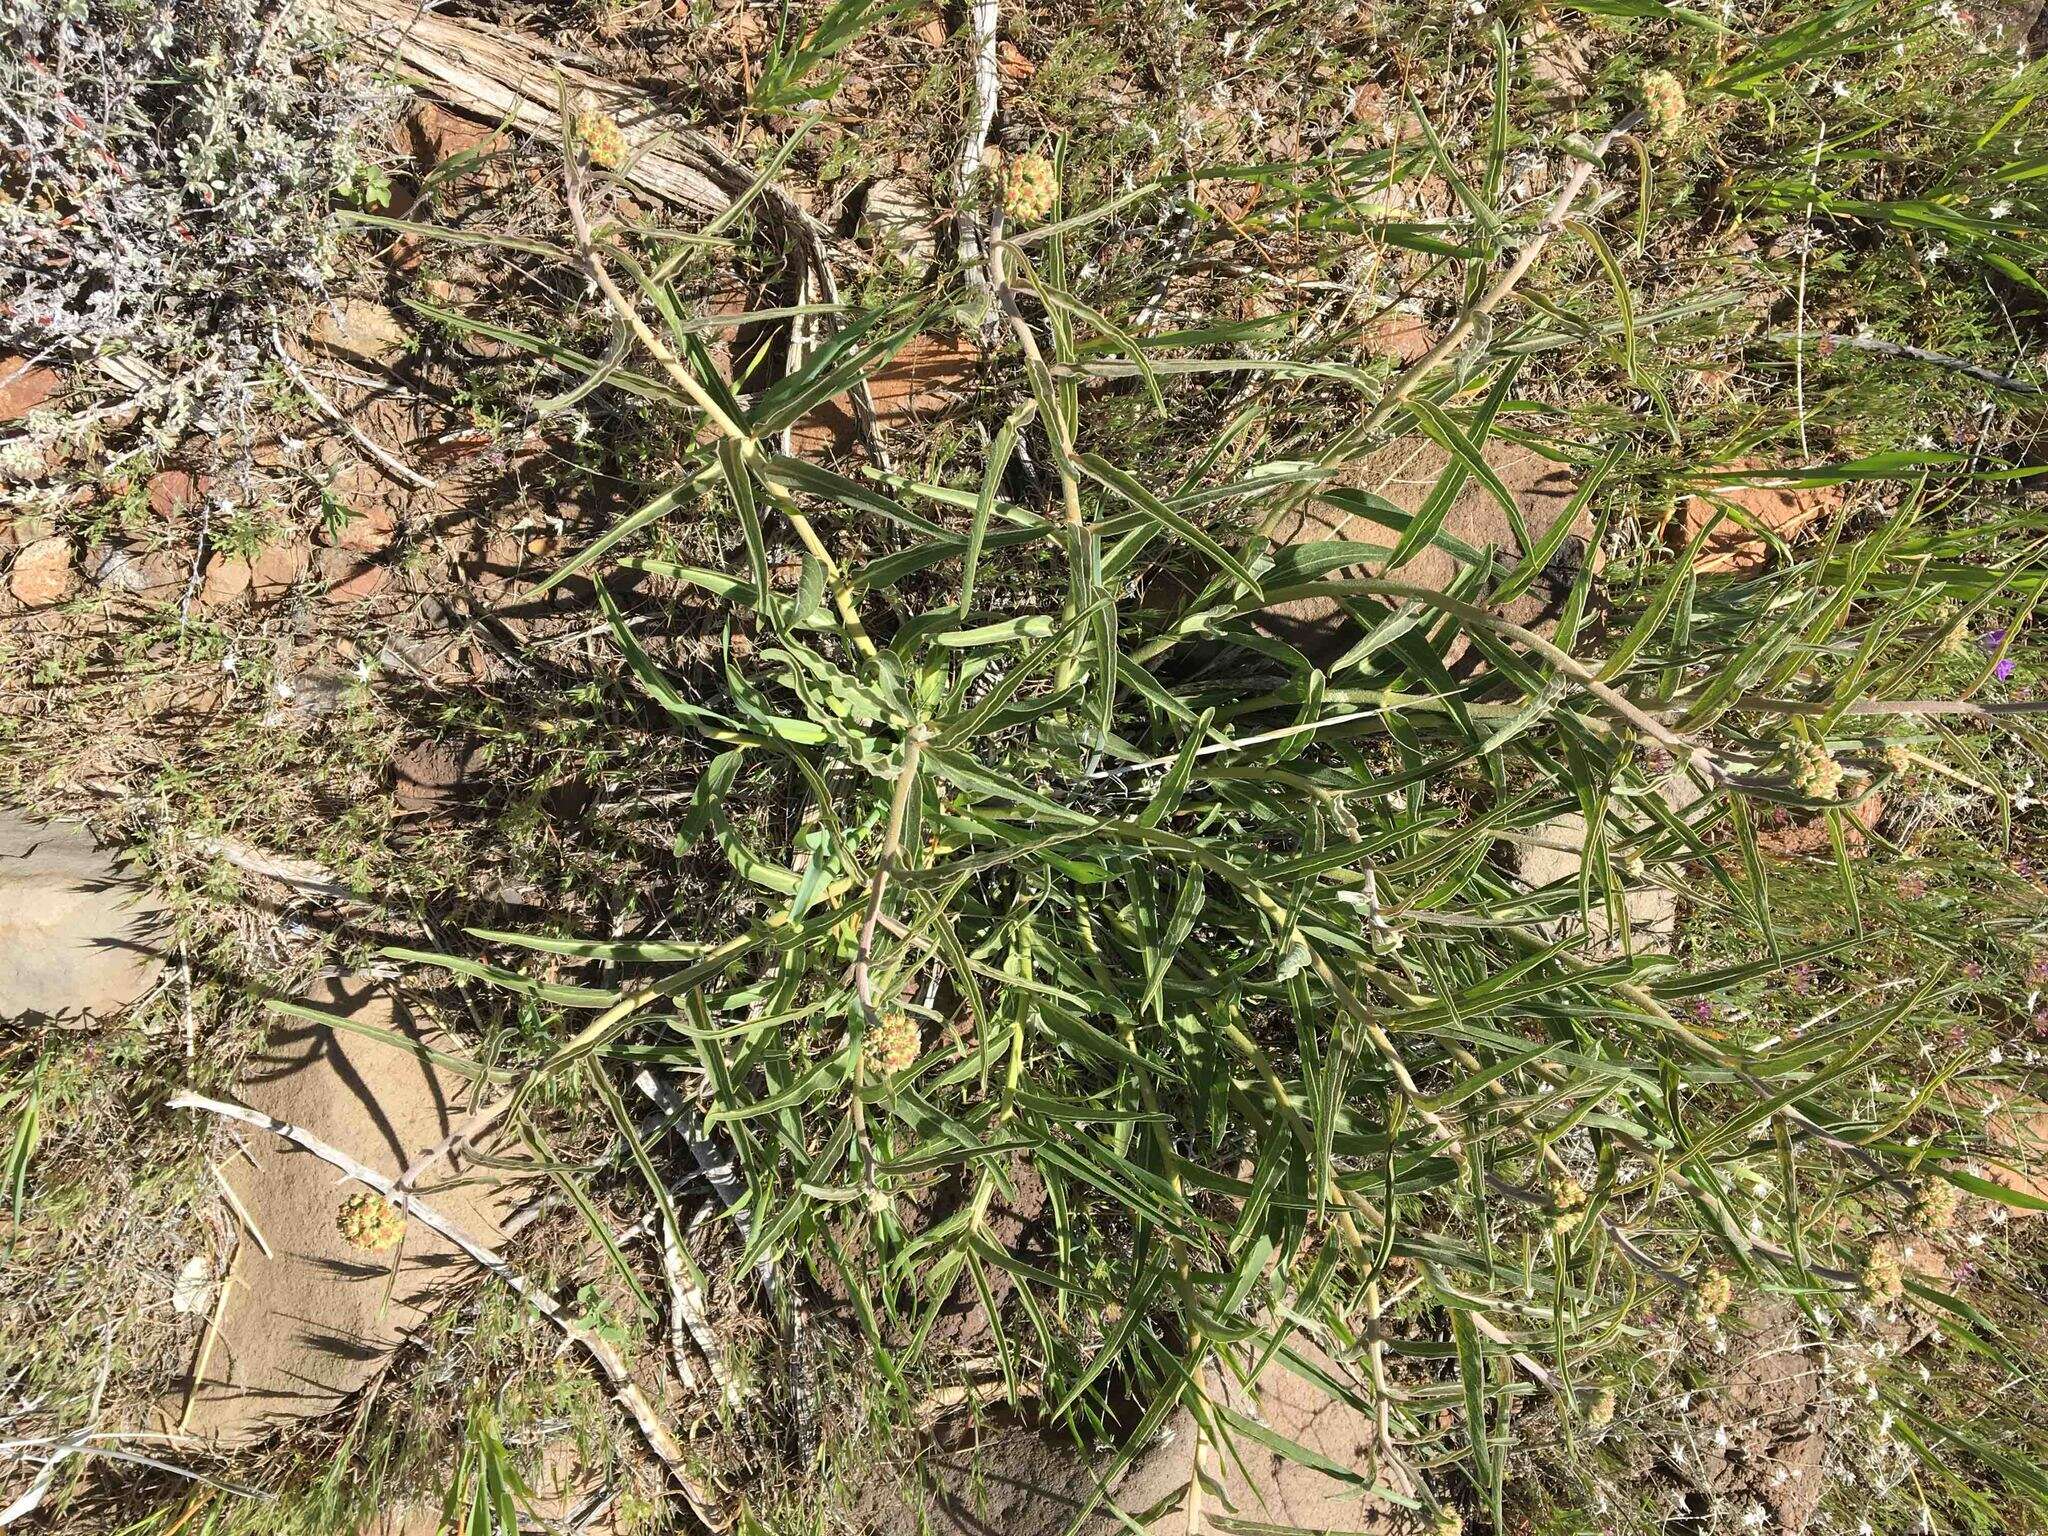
988,80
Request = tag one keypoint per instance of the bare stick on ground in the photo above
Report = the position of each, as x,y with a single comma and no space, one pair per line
982,16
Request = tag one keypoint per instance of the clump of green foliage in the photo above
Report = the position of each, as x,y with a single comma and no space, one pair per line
1059,878
1215,936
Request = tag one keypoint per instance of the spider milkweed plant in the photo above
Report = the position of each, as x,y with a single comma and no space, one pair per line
1219,942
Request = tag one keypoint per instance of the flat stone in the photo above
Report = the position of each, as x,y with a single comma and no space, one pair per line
1405,474
80,938
1263,1486
1399,334
349,578
309,1324
434,135
141,573
902,224
278,568
361,329
1735,546
226,579
173,489
1799,835
1556,851
42,573
368,495
922,383
1012,1479
24,386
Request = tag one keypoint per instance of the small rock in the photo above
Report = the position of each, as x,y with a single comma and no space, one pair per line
322,691
1398,334
361,329
1733,546
117,571
1557,61
42,573
1008,1477
226,579
902,223
278,568
24,386
1556,853
372,521
1803,835
173,489
27,527
921,383
350,579
79,938
430,774
434,135
141,573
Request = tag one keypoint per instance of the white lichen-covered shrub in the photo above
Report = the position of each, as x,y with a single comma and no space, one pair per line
166,176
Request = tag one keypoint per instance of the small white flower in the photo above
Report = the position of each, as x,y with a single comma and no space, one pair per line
1974,1240
231,664
2001,209
1994,1056
1937,250
283,689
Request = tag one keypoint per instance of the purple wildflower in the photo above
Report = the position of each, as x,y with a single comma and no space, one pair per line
1993,641
1702,1010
